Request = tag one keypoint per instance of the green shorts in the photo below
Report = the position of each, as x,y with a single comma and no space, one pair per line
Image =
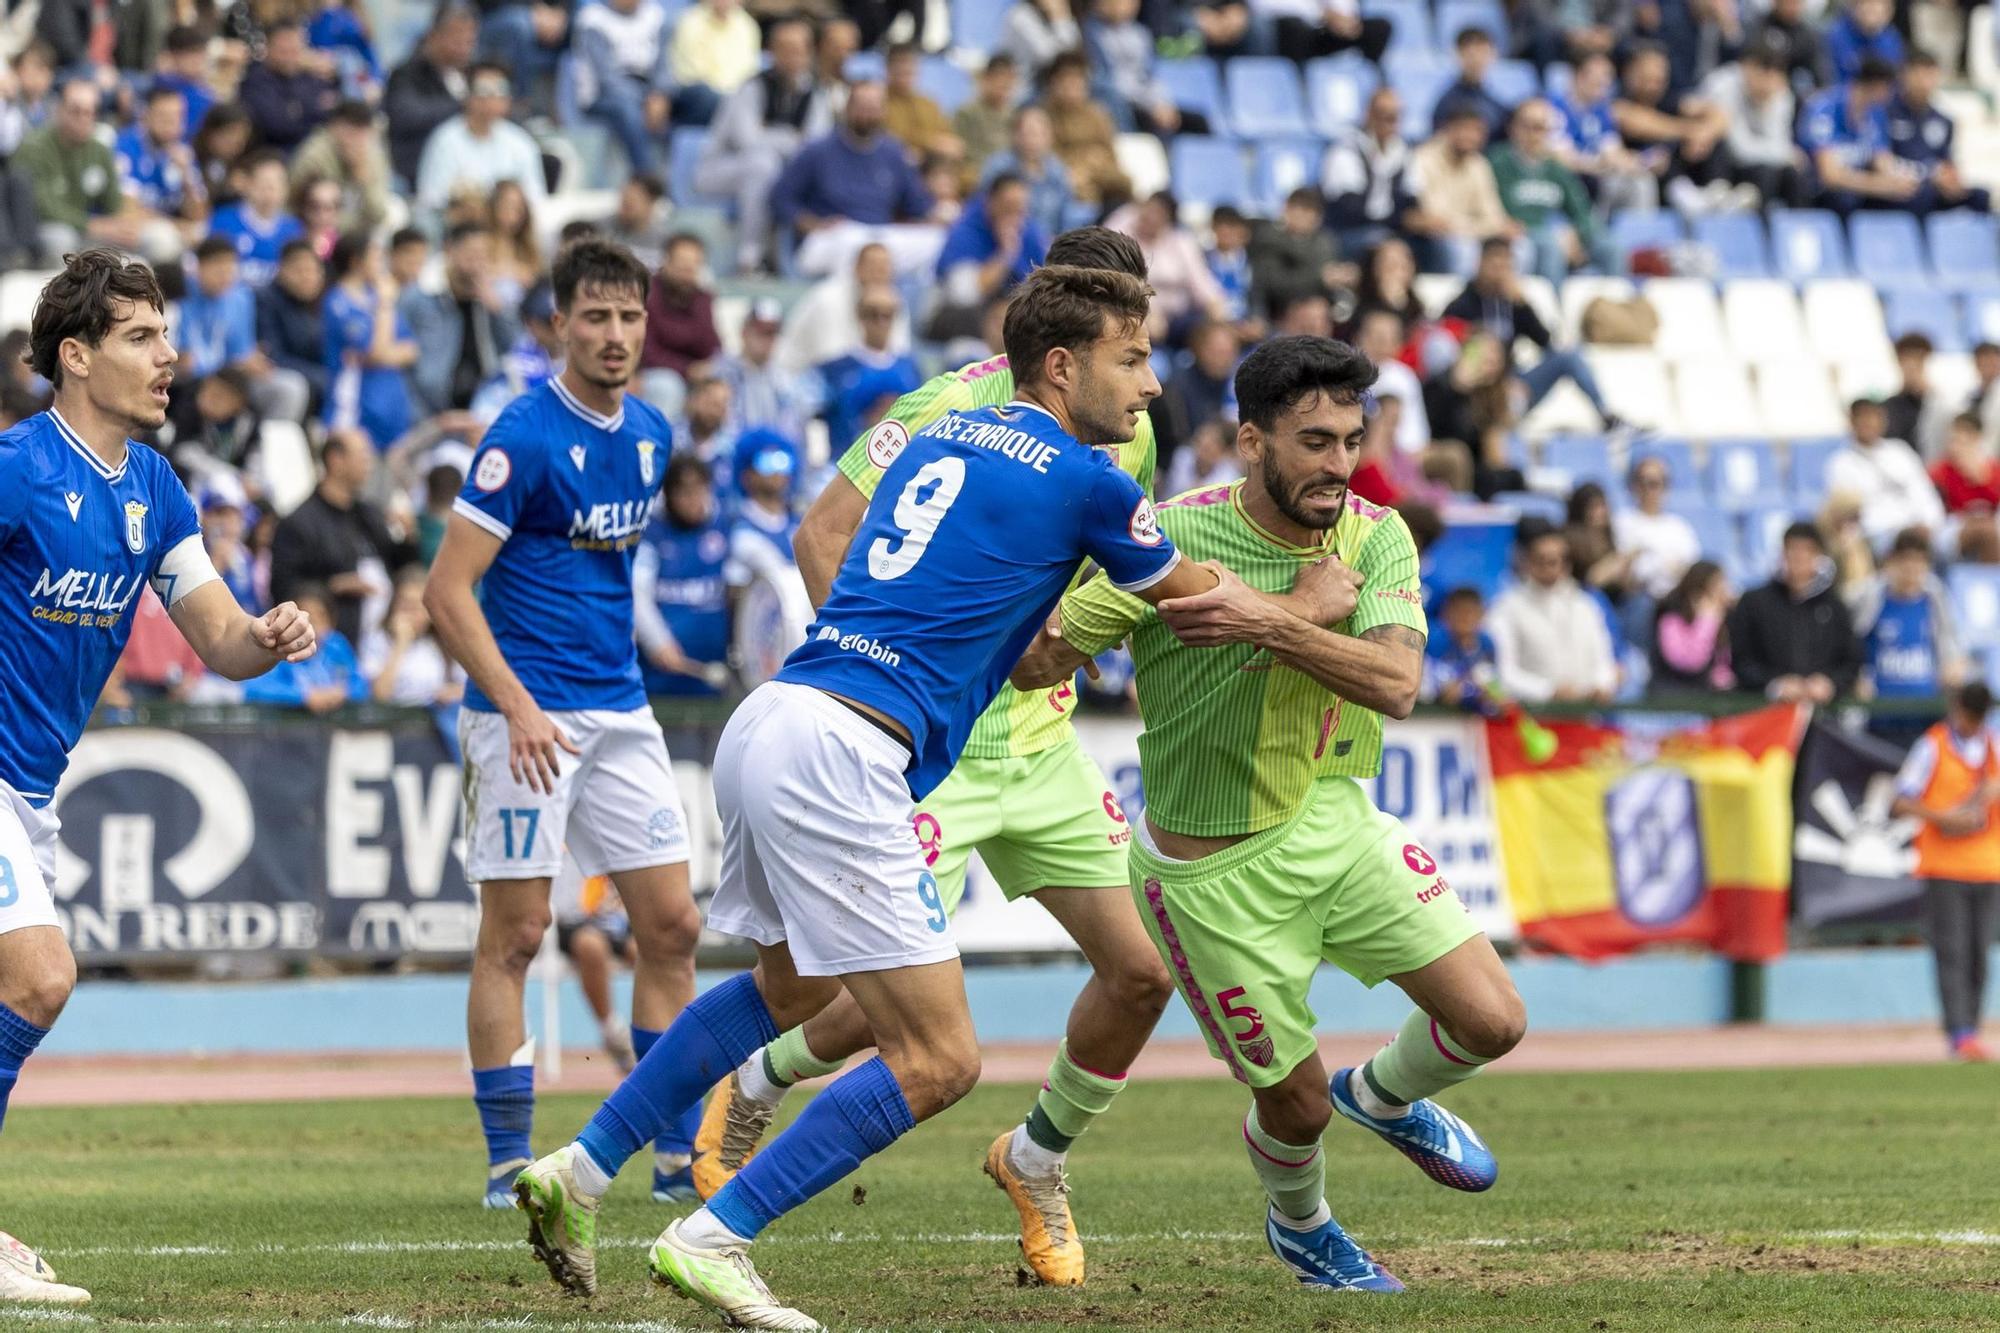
1045,820
1244,930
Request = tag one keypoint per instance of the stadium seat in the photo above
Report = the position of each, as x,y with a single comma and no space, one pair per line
976,25
1844,323
1337,92
683,153
1763,540
1762,318
1633,230
944,82
1982,316
1952,377
1929,312
1283,165
1579,292
1435,291
1852,380
1965,248
870,65
1209,171
1690,321
1513,82
1564,411
285,460
1737,241
1533,504
1721,540
1412,22
1975,591
1194,84
1807,243
1796,400
1887,248
1742,474
1634,384
1454,16
1714,396
18,292
1809,460
1265,98
1582,458
1420,90
1143,159
1558,77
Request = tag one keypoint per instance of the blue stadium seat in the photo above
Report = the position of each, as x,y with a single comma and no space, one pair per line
1809,459
1683,477
1399,67
1265,98
944,83
1975,591
683,152
1925,311
1210,171
1965,248
976,25
1195,84
1282,166
1412,30
1887,248
1720,539
1738,242
1337,92
1558,78
1533,504
1454,16
1513,82
1632,230
1420,90
1584,458
866,65
1982,316
1807,243
1763,541
1742,474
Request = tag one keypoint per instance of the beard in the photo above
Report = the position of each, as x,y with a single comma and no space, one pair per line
1290,500
1097,418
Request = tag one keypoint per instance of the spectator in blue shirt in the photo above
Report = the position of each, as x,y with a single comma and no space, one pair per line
1865,29
1921,136
680,601
286,95
155,165
368,347
218,328
1229,258
1475,50
1461,666
849,187
1031,155
1909,641
857,379
1846,133
993,246
257,224
762,393
330,679
183,67
342,32
289,328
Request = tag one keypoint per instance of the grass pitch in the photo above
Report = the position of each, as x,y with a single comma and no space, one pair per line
1827,1199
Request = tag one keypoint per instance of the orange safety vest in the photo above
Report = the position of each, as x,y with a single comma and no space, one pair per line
1976,857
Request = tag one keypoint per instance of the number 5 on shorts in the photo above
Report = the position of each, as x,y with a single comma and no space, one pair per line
927,894
529,819
1226,1001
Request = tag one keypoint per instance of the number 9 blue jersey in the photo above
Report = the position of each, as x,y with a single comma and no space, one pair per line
978,525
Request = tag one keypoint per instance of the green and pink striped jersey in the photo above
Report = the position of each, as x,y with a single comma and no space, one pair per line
1233,740
1016,724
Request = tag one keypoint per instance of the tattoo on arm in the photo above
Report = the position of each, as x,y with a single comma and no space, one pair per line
1399,636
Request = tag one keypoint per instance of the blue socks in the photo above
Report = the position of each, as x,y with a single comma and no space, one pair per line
678,1137
506,1101
711,1037
858,1116
18,1039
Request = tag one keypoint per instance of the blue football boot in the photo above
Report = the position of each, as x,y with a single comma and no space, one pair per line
1326,1257
1444,1147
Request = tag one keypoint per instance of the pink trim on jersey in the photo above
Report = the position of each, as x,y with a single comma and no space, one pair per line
1365,509
1438,1042
1214,495
1277,1161
983,369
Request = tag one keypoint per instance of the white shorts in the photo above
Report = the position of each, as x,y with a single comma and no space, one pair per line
817,847
27,862
615,807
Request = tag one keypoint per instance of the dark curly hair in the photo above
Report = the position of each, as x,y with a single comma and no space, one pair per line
595,262
1285,372
95,290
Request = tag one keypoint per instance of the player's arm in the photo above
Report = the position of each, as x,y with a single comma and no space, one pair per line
1091,618
467,552
229,640
825,533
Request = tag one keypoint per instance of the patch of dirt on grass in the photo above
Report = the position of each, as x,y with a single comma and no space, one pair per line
1679,1254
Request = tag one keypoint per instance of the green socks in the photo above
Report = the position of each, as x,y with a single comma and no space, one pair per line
1421,1062
1294,1175
789,1060
1071,1098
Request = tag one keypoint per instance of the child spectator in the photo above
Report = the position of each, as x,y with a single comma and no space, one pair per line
1229,258
1909,640
258,223
1461,666
1690,649
218,328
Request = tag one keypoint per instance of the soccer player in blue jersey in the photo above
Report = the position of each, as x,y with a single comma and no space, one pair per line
560,747
980,523
88,519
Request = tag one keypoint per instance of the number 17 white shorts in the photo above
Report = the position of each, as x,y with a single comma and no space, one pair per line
817,846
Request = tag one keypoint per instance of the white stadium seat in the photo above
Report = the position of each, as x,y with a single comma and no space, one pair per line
1564,412
1797,401
1434,291
1762,318
1690,321
1951,376
286,463
1844,323
18,291
1634,382
1715,398
1144,161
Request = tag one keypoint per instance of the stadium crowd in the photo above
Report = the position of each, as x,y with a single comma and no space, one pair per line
358,251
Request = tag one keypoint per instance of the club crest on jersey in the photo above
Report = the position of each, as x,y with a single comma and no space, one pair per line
74,499
886,442
1145,526
135,526
646,451
576,456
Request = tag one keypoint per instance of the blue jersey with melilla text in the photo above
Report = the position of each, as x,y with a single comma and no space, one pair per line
78,541
977,526
568,492
1902,648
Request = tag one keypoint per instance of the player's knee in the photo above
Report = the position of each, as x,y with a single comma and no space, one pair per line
938,1078
1140,986
39,991
1295,1112
514,942
671,937
1494,1027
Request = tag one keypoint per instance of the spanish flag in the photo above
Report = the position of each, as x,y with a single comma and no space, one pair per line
1612,841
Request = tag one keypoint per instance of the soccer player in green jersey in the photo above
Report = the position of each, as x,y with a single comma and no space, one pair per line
1044,821
1259,854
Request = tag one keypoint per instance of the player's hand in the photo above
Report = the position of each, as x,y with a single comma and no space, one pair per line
285,632
1230,612
1050,659
533,742
1331,588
